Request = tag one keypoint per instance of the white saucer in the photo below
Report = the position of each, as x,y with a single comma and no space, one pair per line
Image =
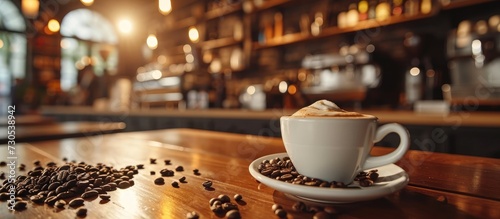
391,179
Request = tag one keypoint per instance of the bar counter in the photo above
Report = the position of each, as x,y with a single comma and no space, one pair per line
440,185
473,119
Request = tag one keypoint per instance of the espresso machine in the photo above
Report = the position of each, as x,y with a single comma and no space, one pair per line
473,51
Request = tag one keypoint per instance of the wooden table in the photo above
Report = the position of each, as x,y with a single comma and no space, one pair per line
59,130
27,120
468,184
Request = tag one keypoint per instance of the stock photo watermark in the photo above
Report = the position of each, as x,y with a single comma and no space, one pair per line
11,156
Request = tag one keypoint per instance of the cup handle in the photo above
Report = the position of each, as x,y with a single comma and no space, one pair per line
377,161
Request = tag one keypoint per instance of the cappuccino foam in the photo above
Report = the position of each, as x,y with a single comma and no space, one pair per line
325,108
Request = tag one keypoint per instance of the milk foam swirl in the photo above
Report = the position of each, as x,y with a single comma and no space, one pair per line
325,108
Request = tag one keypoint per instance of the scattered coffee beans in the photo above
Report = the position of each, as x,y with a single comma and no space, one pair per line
81,212
192,215
167,162
77,202
52,184
175,184
105,196
207,184
276,207
233,214
182,179
280,213
159,181
238,197
152,160
282,169
196,172
20,205
179,168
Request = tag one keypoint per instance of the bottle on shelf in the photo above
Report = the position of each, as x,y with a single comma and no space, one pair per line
426,6
372,5
411,7
363,10
382,11
352,16
397,7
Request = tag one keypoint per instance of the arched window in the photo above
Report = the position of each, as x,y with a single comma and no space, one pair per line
88,39
12,49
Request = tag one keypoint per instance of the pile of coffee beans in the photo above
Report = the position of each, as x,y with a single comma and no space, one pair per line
300,207
282,169
53,184
222,206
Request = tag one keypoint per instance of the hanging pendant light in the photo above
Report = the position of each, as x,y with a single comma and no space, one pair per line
30,8
165,6
87,2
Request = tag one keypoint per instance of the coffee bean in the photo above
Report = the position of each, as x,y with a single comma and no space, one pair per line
167,172
366,182
152,160
152,172
175,184
229,206
224,198
280,213
192,215
3,163
276,207
238,197
313,209
123,184
233,214
60,203
182,179
179,168
81,212
196,172
77,202
90,194
140,166
159,181
207,184
38,199
167,162
322,215
299,206
20,205
212,201
105,196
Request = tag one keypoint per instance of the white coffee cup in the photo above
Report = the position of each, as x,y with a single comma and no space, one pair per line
338,148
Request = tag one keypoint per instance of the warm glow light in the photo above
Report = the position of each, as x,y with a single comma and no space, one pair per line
282,87
53,25
30,8
292,89
125,26
87,2
1,43
186,48
152,41
189,58
165,6
414,71
193,34
251,90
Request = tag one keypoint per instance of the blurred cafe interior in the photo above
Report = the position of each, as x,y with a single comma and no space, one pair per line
238,65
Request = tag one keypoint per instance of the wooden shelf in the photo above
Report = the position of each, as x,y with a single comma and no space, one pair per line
331,31
464,3
270,4
223,11
219,43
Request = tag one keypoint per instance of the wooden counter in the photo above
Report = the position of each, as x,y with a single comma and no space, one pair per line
440,185
472,119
